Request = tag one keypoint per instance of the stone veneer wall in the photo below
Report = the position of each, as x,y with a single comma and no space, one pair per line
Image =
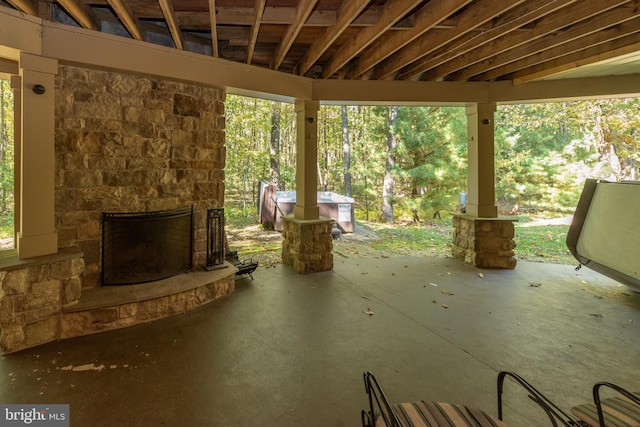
127,143
484,242
32,296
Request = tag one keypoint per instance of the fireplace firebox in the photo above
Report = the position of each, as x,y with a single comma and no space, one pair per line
146,246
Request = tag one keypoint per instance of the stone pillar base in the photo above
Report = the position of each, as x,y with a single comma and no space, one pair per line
484,242
308,245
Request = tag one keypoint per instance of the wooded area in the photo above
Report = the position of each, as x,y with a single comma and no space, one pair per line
6,159
410,163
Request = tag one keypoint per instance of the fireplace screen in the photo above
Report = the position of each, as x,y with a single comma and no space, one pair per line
146,246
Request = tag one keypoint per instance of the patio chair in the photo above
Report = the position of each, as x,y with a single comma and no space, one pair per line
622,410
417,414
556,415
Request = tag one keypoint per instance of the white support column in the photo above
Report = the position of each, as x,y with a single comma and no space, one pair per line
36,226
306,160
481,200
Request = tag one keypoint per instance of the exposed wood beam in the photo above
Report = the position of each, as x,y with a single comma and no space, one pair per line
569,48
472,17
303,10
511,21
258,12
594,54
425,19
487,57
213,26
349,11
81,13
30,7
170,17
394,10
123,11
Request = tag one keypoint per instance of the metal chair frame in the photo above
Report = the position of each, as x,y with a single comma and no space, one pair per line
598,401
555,414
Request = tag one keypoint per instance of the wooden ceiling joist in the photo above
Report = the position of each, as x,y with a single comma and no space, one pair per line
428,17
470,18
170,18
213,26
515,19
303,10
124,13
393,12
30,7
258,12
602,52
349,11
576,44
487,56
81,13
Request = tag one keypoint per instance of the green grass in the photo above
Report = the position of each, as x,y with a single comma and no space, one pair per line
537,243
431,237
543,243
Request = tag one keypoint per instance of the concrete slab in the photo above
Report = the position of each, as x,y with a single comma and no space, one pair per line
290,350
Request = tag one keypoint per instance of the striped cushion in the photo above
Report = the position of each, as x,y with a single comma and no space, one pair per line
431,414
618,412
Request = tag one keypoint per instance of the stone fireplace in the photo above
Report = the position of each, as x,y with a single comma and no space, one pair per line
128,144
142,247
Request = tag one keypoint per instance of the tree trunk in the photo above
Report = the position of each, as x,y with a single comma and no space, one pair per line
274,152
387,188
346,152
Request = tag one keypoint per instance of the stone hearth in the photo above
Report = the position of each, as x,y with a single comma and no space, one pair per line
41,299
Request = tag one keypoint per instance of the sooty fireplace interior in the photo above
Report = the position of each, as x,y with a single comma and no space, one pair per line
146,246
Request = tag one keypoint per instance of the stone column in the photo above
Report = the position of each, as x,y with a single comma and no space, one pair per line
36,225
479,236
307,242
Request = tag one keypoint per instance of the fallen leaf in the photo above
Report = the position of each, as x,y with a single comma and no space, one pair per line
365,297
368,311
445,306
535,285
434,301
447,293
599,316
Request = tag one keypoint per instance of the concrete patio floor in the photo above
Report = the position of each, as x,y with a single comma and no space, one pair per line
290,350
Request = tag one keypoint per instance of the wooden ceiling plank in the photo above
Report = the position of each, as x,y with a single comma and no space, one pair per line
81,13
516,18
170,17
594,54
471,18
541,52
303,10
425,19
213,27
124,13
30,7
349,11
258,12
487,57
393,11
